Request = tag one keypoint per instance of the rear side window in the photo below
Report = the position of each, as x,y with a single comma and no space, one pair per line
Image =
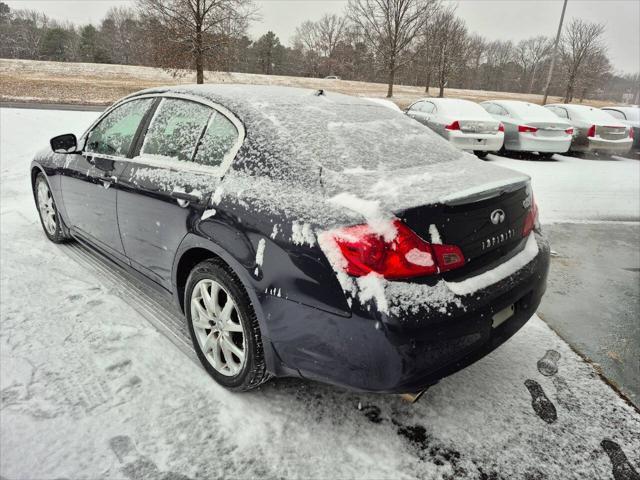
217,141
115,132
176,128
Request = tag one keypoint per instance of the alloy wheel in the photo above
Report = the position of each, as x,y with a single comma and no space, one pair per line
46,206
217,327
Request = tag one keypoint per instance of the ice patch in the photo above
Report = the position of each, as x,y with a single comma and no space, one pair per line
260,252
380,222
435,235
302,234
418,257
372,288
207,214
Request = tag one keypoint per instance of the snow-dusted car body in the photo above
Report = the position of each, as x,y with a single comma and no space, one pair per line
529,127
630,116
594,130
463,123
370,252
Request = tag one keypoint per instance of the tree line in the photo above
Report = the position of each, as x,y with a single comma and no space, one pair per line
409,42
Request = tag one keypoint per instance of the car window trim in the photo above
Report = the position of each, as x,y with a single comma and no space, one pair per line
219,170
106,113
191,166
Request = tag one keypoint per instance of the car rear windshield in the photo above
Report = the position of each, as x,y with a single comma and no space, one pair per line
463,107
532,112
591,114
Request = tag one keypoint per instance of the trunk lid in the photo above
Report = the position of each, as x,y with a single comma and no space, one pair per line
608,132
479,126
549,129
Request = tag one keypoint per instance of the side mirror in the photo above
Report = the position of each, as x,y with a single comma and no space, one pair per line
66,143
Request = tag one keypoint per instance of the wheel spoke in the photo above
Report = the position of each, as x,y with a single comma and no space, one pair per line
209,342
234,348
206,299
225,314
230,326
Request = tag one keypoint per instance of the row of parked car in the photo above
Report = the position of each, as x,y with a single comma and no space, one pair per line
511,125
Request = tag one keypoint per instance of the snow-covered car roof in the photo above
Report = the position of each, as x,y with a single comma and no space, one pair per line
322,145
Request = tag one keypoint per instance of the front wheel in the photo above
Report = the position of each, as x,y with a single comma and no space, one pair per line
223,327
51,221
545,155
480,154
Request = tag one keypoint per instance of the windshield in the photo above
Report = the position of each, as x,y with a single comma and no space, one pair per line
591,114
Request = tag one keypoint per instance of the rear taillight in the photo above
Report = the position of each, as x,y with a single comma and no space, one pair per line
501,128
406,256
592,131
453,126
527,129
531,220
631,133
569,131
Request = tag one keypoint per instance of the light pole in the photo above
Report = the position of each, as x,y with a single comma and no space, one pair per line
555,52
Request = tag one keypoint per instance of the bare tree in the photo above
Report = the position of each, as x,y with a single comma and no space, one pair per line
192,26
580,40
450,40
596,71
529,54
389,28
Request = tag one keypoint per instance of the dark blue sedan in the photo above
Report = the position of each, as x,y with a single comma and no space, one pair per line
303,233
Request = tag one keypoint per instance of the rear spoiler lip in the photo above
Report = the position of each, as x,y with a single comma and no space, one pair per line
484,192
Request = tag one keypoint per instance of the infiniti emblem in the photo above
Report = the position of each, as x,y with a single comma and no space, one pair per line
497,216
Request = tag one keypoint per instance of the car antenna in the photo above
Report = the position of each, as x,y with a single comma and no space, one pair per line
319,92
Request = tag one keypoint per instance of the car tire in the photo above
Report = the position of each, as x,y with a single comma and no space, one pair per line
481,154
52,224
545,155
218,346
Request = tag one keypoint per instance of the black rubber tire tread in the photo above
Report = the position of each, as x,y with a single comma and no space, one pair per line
481,154
254,372
61,234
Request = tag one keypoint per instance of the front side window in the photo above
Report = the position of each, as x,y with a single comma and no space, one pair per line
217,141
115,132
176,129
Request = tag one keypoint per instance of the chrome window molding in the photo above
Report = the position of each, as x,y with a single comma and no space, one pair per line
170,163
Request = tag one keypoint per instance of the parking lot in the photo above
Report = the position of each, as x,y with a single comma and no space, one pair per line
91,387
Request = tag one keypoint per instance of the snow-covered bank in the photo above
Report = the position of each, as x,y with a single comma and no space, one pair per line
91,390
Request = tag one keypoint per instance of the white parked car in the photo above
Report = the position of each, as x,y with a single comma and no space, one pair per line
530,128
463,123
594,130
630,116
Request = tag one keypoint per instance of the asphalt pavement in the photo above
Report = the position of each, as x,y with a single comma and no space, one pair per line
593,297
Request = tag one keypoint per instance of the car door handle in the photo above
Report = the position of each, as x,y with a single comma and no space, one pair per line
184,199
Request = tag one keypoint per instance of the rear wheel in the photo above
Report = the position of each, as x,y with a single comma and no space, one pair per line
545,155
480,154
49,218
223,327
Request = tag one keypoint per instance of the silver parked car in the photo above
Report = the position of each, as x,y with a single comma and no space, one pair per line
463,123
530,128
630,116
594,130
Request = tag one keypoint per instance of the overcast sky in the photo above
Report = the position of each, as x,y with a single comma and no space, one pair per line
495,19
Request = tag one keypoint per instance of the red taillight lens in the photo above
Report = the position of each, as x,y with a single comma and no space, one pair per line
569,131
453,126
406,256
592,131
631,133
501,128
532,218
527,129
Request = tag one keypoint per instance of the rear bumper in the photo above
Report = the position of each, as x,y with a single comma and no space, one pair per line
392,354
604,146
523,142
483,142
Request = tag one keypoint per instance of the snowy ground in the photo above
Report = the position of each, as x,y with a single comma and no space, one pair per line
89,388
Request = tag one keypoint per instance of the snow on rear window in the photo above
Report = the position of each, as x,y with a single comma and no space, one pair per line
462,107
531,111
591,114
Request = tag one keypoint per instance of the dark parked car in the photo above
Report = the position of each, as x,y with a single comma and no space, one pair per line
303,233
